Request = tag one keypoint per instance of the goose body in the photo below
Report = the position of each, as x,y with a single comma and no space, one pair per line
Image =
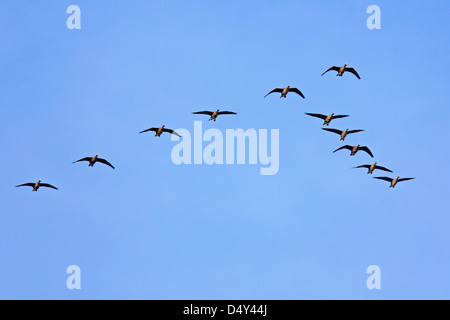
95,159
214,114
328,119
372,167
355,149
285,91
343,134
393,181
342,70
37,185
159,131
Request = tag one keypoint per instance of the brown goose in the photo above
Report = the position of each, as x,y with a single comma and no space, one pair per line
327,119
159,131
355,149
341,70
93,160
343,134
214,114
373,167
285,91
393,181
37,185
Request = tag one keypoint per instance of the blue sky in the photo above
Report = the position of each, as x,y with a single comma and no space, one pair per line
153,230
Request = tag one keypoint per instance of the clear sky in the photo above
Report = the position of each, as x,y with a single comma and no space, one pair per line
155,230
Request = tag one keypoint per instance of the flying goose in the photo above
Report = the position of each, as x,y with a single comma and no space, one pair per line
37,185
373,167
343,134
327,119
214,114
355,149
341,70
160,130
393,181
93,160
285,91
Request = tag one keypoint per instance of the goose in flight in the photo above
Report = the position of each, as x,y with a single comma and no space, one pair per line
355,149
341,70
93,160
285,91
327,119
393,181
343,134
37,185
373,167
159,131
214,114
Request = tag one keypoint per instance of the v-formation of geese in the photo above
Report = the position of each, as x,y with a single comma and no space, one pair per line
284,92
343,134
